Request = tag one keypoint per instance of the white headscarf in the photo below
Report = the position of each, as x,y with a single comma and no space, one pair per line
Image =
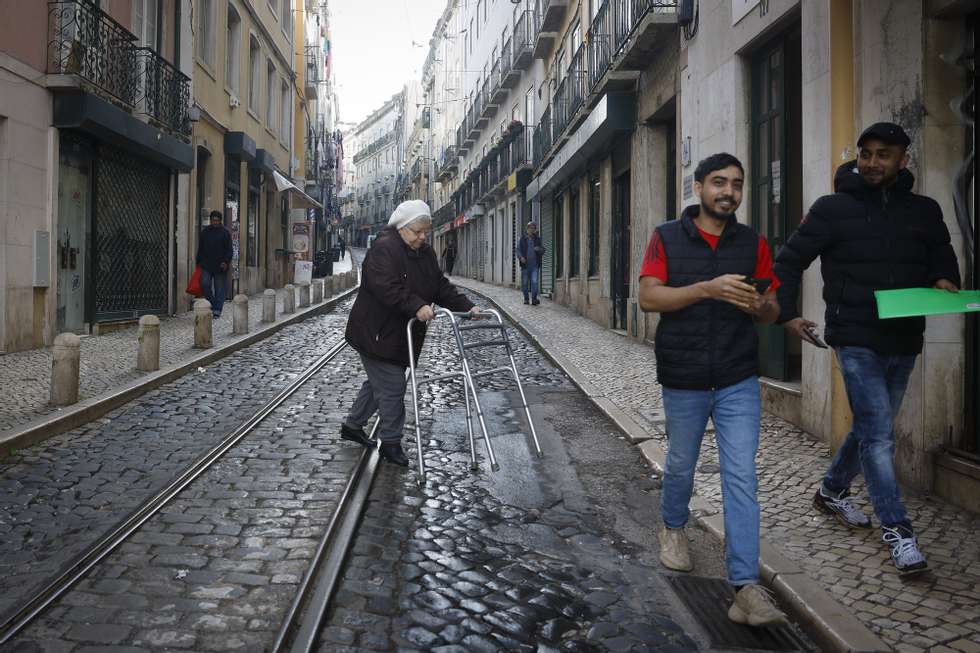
408,212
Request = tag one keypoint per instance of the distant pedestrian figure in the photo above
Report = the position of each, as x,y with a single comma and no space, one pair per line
529,252
696,274
449,256
214,252
343,247
400,279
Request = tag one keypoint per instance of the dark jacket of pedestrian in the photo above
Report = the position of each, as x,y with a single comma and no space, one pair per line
528,245
396,281
868,239
214,248
709,344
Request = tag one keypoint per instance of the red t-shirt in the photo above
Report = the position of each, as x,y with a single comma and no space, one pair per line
655,259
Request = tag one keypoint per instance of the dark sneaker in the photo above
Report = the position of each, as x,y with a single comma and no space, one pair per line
841,507
393,453
352,434
527,301
905,550
535,301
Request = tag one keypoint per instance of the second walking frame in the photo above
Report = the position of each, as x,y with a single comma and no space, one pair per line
488,320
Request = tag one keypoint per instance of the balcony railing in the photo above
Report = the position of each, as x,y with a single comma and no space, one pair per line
600,44
163,92
521,152
577,80
86,42
523,41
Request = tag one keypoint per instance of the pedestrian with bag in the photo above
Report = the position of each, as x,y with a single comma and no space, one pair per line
530,252
400,280
873,233
711,280
214,254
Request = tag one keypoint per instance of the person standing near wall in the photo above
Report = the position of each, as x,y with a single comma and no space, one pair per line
214,254
449,256
529,252
696,274
873,233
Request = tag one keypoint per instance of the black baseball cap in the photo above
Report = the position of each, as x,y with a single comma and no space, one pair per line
887,132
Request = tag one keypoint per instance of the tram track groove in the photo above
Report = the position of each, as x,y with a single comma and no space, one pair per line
52,591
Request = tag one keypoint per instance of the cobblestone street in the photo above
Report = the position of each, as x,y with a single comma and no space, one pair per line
552,555
939,611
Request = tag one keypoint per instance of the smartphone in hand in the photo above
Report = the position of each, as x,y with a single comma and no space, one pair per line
814,338
760,285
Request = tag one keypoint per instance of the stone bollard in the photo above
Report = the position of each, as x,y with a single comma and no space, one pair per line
64,369
304,295
289,304
240,315
148,357
269,305
202,324
330,285
317,291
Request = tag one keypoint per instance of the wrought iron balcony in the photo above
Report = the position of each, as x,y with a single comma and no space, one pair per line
523,41
314,67
163,92
509,76
498,92
86,43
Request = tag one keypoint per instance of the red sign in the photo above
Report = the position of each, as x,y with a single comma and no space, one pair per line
459,221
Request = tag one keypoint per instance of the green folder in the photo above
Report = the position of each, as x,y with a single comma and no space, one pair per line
908,302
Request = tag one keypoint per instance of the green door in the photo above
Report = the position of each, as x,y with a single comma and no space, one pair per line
776,198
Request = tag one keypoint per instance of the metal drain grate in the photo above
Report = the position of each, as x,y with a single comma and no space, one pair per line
708,599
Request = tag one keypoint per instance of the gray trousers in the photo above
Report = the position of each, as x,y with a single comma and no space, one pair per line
383,391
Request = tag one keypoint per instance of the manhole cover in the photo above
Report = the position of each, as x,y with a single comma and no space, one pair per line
708,599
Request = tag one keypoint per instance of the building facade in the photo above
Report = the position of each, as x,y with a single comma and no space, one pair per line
94,155
628,95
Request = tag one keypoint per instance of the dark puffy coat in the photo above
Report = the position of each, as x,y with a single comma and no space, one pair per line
709,344
214,248
396,281
868,239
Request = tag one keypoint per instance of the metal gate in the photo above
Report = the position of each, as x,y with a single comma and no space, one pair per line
547,228
130,258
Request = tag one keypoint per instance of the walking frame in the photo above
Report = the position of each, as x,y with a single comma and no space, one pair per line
489,320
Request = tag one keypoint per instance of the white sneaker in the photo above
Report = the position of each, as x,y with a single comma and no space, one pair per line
905,550
754,606
674,550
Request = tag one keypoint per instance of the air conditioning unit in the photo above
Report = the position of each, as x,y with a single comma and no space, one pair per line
234,102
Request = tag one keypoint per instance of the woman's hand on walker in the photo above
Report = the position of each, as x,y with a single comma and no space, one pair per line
425,313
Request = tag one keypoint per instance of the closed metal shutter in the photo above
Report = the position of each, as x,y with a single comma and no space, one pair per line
130,235
547,228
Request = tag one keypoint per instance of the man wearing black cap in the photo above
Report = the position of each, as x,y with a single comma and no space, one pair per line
873,233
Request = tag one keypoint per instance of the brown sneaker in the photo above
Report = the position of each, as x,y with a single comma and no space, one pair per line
674,551
754,606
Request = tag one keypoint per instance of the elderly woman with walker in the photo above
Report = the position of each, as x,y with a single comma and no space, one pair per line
400,280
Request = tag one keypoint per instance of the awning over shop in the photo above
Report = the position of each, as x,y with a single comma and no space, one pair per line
301,199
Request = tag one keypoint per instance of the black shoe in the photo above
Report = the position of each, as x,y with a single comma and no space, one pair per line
535,301
355,435
526,301
393,453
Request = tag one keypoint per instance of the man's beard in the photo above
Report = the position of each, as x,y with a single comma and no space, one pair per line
717,215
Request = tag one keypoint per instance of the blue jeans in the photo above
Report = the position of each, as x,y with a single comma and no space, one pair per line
736,410
875,385
529,281
217,295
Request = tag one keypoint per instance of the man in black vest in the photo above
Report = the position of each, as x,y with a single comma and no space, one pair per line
711,280
873,233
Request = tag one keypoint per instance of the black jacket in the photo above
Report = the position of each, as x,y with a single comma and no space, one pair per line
214,248
709,344
396,281
868,239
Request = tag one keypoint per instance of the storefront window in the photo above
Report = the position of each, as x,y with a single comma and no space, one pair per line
252,226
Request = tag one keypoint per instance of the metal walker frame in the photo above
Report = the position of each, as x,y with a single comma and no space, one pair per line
488,320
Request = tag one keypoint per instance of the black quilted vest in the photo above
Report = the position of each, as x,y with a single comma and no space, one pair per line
709,344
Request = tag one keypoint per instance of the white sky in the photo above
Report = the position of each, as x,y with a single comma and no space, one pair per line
373,55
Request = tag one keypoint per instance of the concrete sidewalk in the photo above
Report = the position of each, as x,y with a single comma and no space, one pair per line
840,581
108,362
